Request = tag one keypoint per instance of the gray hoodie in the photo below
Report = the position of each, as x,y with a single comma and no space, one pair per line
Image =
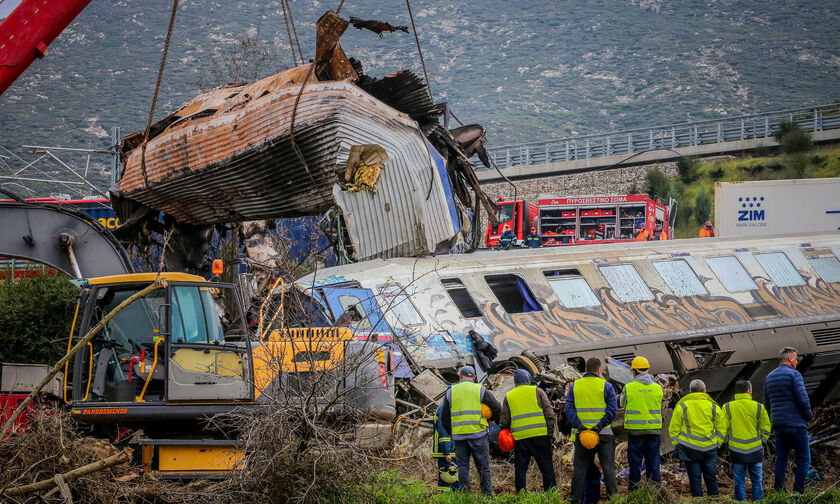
644,379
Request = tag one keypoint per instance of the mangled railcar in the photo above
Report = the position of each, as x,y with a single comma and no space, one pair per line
718,309
319,139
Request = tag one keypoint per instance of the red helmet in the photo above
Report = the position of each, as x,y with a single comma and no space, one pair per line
506,440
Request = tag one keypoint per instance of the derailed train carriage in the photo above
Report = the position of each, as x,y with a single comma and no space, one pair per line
718,310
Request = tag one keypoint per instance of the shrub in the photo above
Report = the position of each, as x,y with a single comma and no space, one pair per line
799,164
716,174
761,151
656,183
35,318
792,138
702,206
686,166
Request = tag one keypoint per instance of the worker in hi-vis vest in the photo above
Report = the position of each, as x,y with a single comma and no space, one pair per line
444,451
749,426
591,405
463,420
698,427
528,413
642,403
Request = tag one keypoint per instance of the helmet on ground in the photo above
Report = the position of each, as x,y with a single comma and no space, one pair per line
485,411
640,362
506,440
589,439
449,474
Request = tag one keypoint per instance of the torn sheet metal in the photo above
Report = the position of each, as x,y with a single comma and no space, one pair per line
226,156
364,165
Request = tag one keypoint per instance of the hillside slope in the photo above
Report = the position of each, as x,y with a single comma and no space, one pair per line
526,70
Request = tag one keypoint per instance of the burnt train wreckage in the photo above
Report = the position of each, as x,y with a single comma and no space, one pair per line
319,139
717,309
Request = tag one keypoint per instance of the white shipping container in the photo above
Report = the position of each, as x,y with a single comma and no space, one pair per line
777,206
23,378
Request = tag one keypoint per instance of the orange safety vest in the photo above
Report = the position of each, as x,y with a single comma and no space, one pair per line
663,235
643,235
707,233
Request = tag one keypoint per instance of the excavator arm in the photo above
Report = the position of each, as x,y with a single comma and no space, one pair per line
29,30
61,237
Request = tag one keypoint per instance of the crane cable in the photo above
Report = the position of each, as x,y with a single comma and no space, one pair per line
419,50
157,91
294,29
289,31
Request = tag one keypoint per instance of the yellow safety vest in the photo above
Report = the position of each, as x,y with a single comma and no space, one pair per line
590,404
696,423
644,406
465,403
748,424
436,450
526,416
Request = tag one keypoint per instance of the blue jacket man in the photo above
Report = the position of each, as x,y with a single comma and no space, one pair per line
533,240
787,402
507,239
593,408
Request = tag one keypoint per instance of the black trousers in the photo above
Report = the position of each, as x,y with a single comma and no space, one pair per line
584,458
539,448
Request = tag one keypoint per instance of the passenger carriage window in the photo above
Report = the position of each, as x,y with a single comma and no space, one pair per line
779,268
731,273
354,314
397,302
680,278
461,297
513,293
626,282
828,268
571,288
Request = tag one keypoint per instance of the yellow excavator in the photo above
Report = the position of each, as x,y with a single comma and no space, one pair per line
180,354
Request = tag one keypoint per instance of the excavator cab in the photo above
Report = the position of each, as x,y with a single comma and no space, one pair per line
180,352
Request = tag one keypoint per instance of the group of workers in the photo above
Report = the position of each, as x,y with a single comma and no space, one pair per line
699,426
508,239
643,234
707,231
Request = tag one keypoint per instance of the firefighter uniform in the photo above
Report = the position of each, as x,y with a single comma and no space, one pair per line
441,447
749,425
533,241
698,428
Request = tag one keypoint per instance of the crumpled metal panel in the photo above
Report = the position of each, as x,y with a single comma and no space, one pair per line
226,156
399,220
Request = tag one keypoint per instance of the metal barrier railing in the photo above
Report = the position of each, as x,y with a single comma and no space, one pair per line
747,127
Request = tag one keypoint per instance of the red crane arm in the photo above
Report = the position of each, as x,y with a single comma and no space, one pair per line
29,30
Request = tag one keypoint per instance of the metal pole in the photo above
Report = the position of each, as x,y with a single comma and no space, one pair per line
62,163
115,160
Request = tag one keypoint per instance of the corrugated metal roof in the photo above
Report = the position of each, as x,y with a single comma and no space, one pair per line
227,156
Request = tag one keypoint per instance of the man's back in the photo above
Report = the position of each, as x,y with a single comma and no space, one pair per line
786,398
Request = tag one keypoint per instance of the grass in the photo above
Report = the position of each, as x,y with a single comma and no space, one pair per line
818,163
394,487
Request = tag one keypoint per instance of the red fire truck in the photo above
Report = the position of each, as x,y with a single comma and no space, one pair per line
519,217
579,220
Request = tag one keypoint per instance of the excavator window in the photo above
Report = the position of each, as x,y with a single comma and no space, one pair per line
129,333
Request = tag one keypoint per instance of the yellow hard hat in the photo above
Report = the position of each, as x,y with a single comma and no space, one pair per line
485,411
589,439
640,363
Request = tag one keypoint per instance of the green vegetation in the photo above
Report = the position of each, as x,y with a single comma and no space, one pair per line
792,138
393,487
35,318
656,183
695,184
